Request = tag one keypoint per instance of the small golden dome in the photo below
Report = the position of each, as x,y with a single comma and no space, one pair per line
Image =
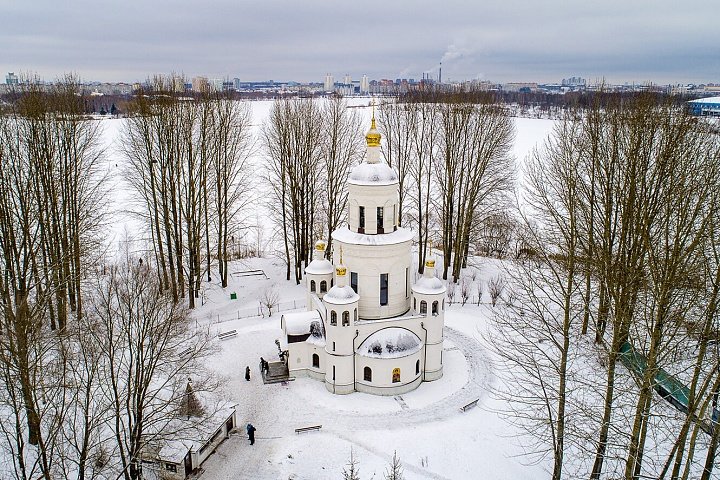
320,245
341,271
430,262
373,136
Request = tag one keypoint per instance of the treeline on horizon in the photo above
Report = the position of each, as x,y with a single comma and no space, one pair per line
545,102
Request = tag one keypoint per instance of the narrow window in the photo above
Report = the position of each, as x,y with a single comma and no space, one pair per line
367,374
423,307
407,282
380,228
355,310
334,366
316,360
362,220
312,285
323,286
435,308
353,281
417,367
383,289
396,375
333,318
395,218
346,318
415,304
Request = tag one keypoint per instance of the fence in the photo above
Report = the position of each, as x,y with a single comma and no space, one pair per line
259,311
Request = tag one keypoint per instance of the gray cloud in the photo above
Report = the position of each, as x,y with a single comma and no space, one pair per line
283,39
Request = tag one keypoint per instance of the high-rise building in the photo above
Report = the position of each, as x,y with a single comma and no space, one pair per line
11,79
348,79
329,83
364,84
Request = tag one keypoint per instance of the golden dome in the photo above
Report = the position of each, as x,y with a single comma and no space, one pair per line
373,136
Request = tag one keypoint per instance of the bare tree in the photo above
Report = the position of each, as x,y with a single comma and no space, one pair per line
394,471
341,147
292,139
496,286
148,352
270,298
352,472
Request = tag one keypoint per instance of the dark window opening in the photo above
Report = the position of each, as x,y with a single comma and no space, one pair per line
380,225
323,286
346,318
383,289
361,228
423,307
333,318
435,307
312,285
417,367
316,360
367,374
354,281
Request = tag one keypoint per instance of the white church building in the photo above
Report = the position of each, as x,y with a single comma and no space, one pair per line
367,328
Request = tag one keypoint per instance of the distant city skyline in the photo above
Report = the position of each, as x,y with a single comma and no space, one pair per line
512,41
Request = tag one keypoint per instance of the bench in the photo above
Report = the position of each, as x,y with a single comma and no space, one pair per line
228,334
250,273
470,405
307,429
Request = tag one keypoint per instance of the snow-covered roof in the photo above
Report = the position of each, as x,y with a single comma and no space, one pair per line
392,342
194,432
345,235
706,100
298,323
341,295
319,267
429,286
373,174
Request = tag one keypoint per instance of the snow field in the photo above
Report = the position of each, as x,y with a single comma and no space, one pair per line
432,437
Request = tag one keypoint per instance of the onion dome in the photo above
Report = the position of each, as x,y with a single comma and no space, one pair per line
320,265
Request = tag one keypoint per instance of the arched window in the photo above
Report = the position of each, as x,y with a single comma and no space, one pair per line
435,307
367,374
316,360
417,367
346,318
396,375
323,286
423,307
312,285
333,318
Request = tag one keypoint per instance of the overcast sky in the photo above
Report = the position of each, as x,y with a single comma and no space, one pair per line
663,41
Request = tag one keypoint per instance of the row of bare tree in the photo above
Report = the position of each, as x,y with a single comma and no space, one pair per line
452,159
620,213
188,164
455,170
94,359
311,146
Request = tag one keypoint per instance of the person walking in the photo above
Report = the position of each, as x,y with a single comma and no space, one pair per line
247,373
251,433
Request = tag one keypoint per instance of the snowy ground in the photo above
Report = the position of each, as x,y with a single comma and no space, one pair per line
432,437
426,427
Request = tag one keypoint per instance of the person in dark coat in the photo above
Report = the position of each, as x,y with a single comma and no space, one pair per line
247,373
251,433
